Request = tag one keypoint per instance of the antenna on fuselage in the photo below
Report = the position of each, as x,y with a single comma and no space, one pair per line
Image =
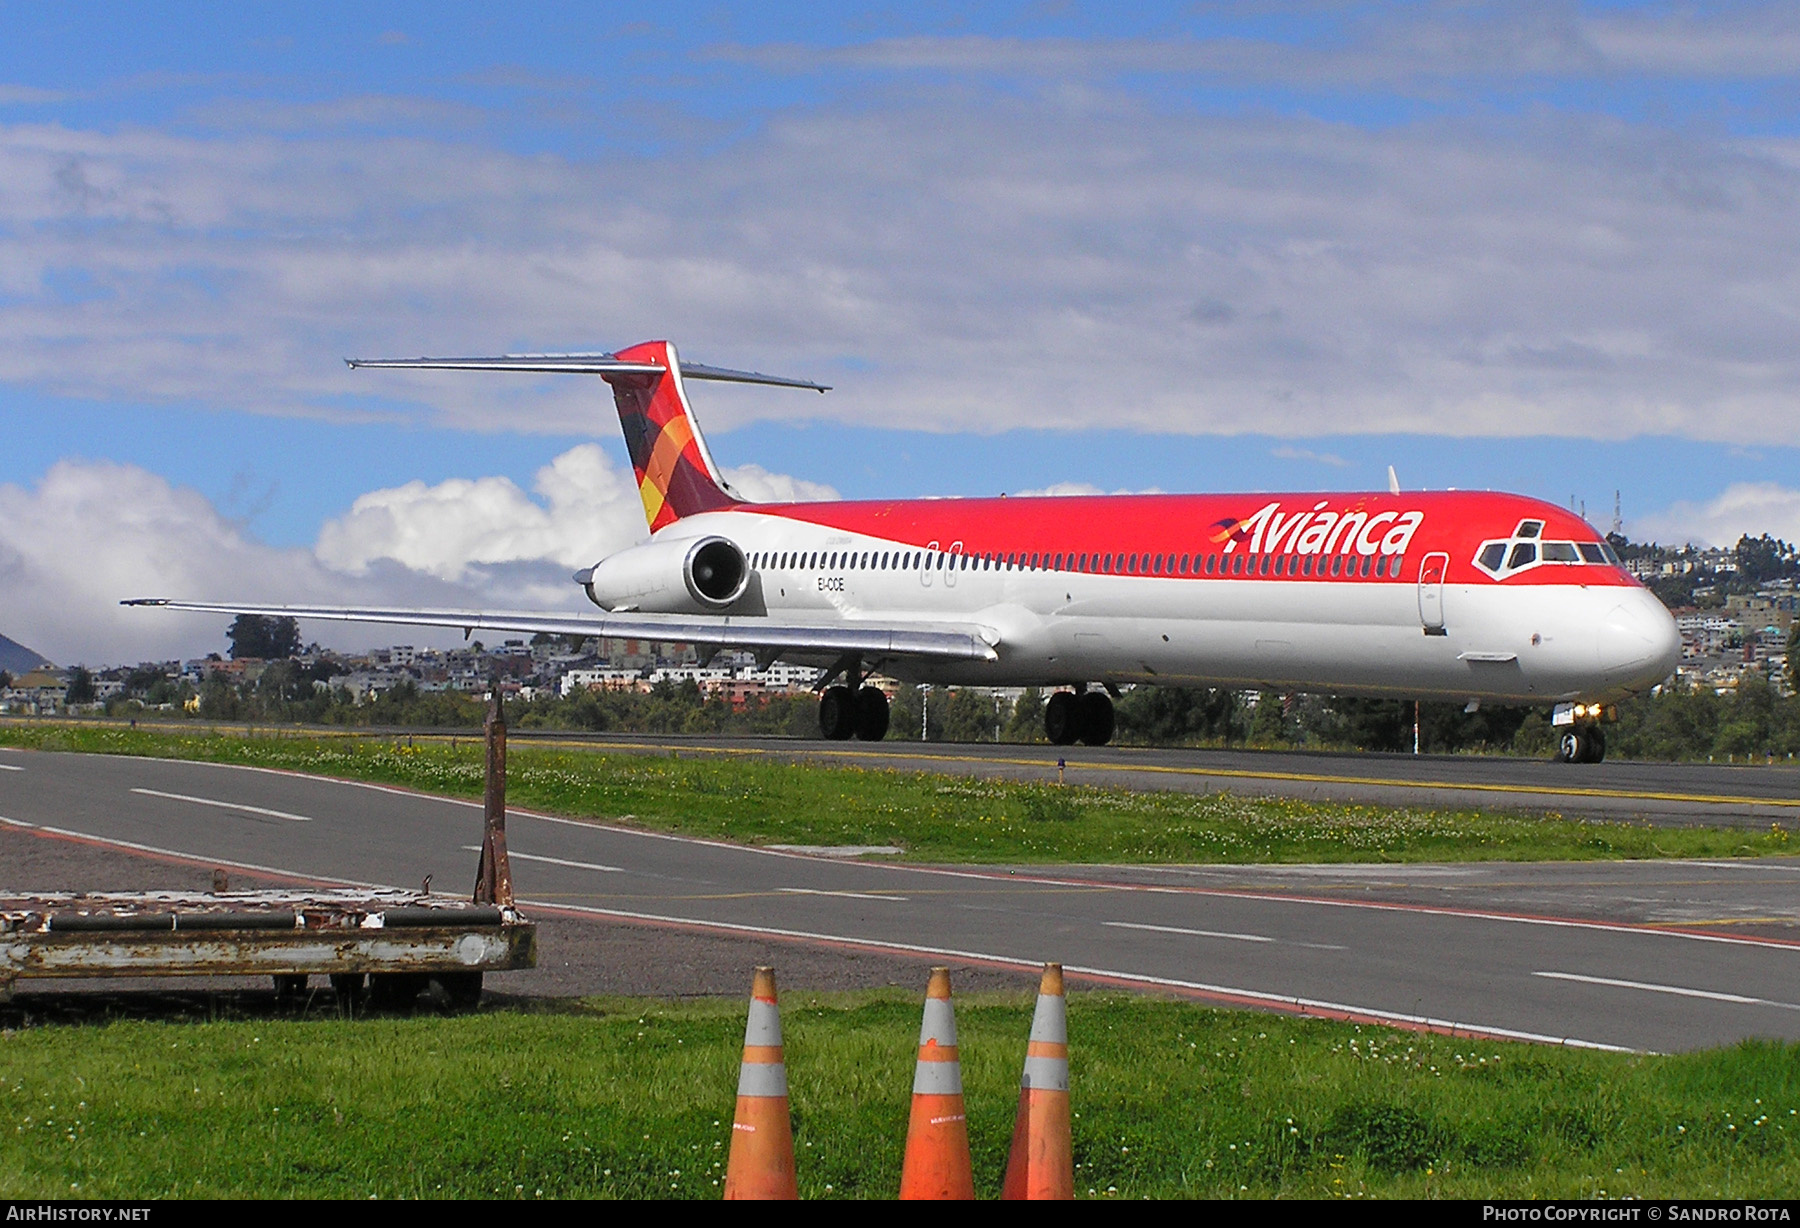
1393,481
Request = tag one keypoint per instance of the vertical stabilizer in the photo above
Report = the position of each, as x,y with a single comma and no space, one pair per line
675,474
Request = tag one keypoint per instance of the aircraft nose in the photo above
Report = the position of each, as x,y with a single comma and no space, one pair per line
1639,642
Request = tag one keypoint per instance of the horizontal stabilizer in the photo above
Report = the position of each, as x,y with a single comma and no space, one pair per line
935,641
583,364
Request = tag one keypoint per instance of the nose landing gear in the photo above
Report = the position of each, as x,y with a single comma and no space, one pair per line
1085,717
1581,744
1581,739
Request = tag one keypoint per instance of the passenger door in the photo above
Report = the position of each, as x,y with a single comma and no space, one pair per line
1431,592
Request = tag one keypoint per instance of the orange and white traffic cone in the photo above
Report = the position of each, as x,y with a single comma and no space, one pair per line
1042,1164
762,1141
937,1138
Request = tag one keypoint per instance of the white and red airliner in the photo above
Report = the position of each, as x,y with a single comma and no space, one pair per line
1451,595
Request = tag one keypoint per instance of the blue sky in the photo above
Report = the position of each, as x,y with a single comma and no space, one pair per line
1546,248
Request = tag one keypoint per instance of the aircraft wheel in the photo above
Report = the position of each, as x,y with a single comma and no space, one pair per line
1596,745
1096,718
837,713
871,714
1572,747
1062,723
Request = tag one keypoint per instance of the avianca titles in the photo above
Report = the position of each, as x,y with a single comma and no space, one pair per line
1453,595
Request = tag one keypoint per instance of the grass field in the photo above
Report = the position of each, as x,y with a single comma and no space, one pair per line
633,1099
932,817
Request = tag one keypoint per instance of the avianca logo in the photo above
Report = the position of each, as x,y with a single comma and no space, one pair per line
1319,531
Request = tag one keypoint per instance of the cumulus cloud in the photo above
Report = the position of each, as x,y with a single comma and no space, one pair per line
89,534
587,508
758,485
1744,507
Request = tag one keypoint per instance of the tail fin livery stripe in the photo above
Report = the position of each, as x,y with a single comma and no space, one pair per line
675,477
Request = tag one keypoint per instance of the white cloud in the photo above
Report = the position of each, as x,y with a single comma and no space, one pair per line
758,485
1744,507
587,509
952,259
1059,489
1307,454
90,534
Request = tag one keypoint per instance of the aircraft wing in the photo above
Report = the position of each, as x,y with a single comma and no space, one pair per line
932,640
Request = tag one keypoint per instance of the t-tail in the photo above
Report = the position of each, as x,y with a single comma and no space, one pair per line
675,473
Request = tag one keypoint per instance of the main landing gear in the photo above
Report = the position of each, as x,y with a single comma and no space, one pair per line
1079,716
854,711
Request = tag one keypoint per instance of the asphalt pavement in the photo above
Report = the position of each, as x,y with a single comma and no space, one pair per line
1710,794
1660,956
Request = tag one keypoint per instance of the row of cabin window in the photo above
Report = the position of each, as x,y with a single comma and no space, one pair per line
1127,564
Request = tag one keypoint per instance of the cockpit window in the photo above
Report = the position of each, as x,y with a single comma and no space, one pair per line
1591,552
1492,555
1529,528
1560,552
1522,554
1612,556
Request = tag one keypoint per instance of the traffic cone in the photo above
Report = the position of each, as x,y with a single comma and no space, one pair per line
937,1138
762,1141
1042,1164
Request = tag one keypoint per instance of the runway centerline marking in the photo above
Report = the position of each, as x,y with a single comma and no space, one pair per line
843,895
208,801
555,861
10,767
1680,991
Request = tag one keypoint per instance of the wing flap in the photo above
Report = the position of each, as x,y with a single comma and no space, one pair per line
937,641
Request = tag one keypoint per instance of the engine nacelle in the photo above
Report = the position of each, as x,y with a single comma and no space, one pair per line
685,576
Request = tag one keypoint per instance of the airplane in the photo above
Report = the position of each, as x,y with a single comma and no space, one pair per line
1471,596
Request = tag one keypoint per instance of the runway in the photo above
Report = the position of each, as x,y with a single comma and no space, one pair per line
1659,956
1738,795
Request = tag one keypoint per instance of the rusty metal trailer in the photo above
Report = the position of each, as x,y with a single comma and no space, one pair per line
387,944
393,943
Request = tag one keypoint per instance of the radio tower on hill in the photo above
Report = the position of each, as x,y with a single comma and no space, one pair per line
1618,525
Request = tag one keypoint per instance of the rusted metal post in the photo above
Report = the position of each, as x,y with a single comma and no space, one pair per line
493,878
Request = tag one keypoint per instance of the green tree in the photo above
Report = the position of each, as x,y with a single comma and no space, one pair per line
967,715
1180,716
219,700
1268,725
262,638
81,686
1027,721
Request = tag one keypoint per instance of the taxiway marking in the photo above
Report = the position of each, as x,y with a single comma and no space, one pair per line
1176,929
554,861
208,801
844,895
1680,991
